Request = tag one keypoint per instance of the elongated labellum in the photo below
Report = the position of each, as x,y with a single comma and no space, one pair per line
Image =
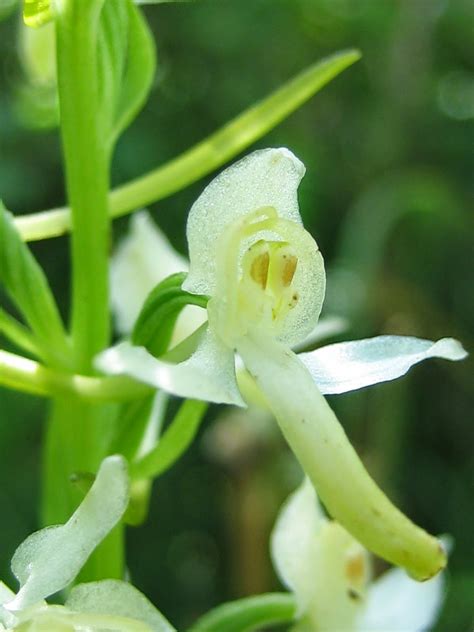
323,449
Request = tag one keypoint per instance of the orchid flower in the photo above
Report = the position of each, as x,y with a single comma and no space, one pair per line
144,258
265,278
49,560
329,573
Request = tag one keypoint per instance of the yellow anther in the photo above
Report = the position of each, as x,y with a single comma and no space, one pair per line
288,269
259,269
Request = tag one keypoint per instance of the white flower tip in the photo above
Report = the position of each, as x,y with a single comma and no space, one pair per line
449,349
283,153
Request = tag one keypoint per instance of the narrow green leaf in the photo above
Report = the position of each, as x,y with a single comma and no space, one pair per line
138,427
251,613
28,287
231,139
207,155
155,323
139,424
126,64
138,70
173,443
17,333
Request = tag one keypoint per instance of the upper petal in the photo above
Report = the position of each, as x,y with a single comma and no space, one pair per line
396,603
265,178
347,366
48,560
208,374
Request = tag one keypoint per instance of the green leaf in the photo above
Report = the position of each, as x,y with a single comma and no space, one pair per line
155,323
207,155
251,613
126,64
138,427
173,443
28,287
17,333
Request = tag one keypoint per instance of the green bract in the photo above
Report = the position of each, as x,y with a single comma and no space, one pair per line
264,274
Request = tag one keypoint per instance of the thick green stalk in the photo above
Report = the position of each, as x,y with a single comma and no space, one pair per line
78,433
86,153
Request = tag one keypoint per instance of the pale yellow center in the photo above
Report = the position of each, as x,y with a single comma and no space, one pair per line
265,286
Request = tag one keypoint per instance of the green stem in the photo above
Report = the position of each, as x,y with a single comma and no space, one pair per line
328,458
87,176
79,433
32,377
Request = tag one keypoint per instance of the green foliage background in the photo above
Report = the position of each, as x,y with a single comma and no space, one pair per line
388,196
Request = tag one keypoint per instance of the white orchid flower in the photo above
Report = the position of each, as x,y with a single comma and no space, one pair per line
50,559
144,258
330,574
265,275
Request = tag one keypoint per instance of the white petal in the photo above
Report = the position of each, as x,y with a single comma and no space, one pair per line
5,593
346,366
269,177
6,618
397,603
119,599
208,374
292,542
50,559
143,259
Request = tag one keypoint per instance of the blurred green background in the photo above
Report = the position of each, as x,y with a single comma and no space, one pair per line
388,196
